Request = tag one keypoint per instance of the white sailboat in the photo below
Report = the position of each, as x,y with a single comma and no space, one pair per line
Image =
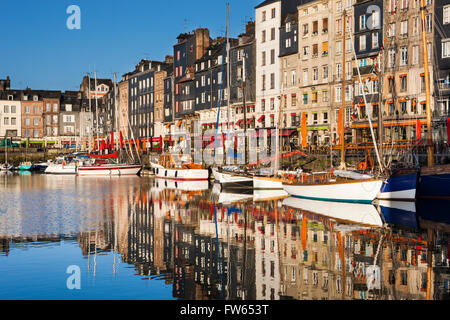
341,186
105,165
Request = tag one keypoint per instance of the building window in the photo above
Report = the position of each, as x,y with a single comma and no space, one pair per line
263,36
272,81
288,27
403,83
362,22
294,77
446,48
273,13
305,29
362,42
375,43
404,28
446,15
325,72
272,56
288,43
391,30
263,18
315,74
403,56
272,34
305,98
338,94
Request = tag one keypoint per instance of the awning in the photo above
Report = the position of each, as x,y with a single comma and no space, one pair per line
168,125
179,123
261,118
238,122
293,114
250,121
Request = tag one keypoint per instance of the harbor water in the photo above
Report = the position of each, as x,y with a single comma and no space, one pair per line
68,237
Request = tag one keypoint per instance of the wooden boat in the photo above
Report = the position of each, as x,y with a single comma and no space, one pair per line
399,187
327,187
179,167
434,182
233,181
101,167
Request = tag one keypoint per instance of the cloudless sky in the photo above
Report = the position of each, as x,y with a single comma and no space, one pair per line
40,52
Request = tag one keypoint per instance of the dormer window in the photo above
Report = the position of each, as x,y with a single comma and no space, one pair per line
10,97
25,98
35,98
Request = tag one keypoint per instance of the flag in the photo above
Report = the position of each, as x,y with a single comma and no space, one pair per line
112,140
121,140
419,130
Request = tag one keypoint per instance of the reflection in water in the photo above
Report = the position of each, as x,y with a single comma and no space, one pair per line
209,245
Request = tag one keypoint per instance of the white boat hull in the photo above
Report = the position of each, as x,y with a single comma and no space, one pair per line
354,192
180,174
109,170
362,214
262,183
60,169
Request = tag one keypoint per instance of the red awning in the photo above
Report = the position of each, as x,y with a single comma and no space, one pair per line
261,118
250,121
238,122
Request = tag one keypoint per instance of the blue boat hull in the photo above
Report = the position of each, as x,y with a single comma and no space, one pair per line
399,187
25,168
434,186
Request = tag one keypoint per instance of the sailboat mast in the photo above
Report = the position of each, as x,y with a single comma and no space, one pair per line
228,64
116,113
342,133
96,109
430,148
245,110
89,97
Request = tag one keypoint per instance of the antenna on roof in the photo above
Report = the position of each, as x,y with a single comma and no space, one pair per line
185,25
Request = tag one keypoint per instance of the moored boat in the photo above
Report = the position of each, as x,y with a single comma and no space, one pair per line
179,167
25,166
399,187
63,165
328,187
100,167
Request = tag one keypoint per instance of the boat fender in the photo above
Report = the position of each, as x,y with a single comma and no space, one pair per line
363,166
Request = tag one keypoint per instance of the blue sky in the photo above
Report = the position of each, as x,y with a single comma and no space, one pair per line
40,52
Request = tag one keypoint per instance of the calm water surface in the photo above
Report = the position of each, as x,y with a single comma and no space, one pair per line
141,238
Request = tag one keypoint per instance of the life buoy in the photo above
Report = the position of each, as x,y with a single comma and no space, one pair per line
363,166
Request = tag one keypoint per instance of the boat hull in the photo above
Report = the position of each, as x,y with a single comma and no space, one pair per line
352,192
60,169
233,182
109,170
264,183
25,167
187,185
399,188
181,174
434,183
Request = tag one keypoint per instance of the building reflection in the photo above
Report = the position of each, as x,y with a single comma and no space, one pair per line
252,250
